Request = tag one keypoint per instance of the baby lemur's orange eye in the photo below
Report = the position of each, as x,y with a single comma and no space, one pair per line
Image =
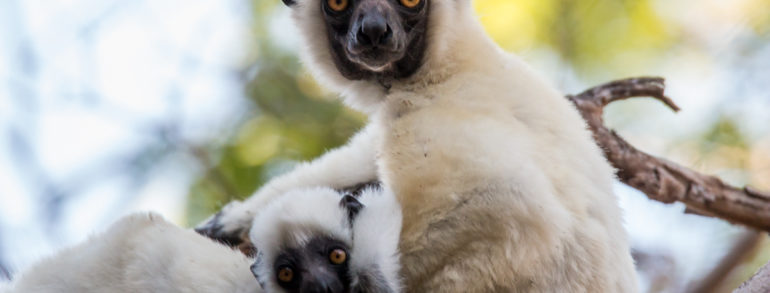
339,5
338,256
410,3
285,274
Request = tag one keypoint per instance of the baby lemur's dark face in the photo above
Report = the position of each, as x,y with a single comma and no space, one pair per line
318,264
321,265
380,39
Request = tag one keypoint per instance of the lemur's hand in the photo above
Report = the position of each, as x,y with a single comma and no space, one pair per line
348,169
230,225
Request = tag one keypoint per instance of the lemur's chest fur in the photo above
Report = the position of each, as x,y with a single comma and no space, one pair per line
441,147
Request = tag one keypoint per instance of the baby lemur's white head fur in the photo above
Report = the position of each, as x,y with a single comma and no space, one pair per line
361,48
316,240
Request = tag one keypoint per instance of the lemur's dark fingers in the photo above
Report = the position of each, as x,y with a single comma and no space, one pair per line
213,228
229,226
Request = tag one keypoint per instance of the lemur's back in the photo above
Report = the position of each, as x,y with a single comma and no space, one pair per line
141,253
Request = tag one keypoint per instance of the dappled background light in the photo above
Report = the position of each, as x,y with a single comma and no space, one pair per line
111,107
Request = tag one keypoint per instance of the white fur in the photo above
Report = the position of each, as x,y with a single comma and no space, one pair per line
501,185
141,253
376,232
295,218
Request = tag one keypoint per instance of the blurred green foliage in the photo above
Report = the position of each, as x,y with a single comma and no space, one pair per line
292,120
588,34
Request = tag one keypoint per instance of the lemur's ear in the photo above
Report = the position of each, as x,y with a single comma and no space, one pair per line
289,2
352,205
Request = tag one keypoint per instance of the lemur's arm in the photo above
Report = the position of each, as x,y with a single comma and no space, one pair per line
339,168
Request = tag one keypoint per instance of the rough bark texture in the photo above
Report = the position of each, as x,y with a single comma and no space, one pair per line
661,179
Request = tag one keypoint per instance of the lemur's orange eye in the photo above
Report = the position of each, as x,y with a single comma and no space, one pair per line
338,256
339,5
285,274
410,3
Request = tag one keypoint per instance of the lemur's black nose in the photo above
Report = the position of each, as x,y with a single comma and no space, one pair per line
374,30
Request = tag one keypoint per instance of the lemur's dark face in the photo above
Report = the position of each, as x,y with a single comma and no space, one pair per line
380,39
320,266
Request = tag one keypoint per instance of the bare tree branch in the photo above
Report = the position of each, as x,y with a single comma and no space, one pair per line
661,179
668,182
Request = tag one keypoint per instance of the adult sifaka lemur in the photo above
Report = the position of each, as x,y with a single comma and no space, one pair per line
501,185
